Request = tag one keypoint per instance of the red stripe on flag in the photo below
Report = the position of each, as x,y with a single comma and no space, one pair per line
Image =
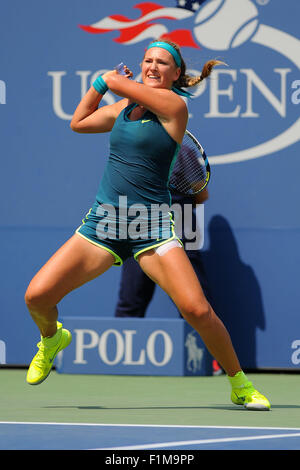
120,18
129,33
92,30
147,7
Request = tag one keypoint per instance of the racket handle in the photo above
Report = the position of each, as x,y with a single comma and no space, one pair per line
120,69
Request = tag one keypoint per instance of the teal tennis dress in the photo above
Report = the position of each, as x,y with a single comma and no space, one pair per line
131,211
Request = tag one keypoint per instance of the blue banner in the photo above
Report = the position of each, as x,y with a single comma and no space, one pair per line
133,347
246,116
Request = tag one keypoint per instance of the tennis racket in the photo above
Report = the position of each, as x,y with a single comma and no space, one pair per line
120,69
191,171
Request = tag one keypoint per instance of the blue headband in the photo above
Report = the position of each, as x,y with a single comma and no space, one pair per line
177,59
169,48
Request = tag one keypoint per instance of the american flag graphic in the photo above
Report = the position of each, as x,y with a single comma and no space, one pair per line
146,26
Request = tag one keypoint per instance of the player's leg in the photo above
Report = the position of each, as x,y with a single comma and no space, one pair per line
75,263
195,258
173,272
175,275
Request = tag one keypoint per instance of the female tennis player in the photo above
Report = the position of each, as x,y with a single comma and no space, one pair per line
147,127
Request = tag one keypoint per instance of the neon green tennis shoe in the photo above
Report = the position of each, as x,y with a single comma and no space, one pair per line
250,398
42,362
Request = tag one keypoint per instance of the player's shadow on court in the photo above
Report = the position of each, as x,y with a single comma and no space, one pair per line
234,289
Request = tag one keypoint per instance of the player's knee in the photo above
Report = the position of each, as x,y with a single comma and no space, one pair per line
36,297
32,297
197,313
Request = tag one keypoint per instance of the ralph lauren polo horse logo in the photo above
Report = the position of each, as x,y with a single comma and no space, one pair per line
195,354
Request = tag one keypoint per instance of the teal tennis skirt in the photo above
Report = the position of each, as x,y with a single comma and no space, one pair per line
125,235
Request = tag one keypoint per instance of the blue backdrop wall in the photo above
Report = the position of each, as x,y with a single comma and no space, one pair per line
247,116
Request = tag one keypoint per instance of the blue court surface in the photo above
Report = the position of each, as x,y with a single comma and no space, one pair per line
81,436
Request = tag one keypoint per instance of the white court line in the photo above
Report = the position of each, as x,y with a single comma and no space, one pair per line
200,441
149,425
176,443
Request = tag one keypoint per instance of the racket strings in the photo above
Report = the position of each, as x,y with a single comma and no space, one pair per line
189,174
